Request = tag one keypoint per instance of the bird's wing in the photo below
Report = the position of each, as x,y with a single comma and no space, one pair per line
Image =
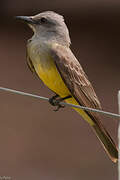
74,77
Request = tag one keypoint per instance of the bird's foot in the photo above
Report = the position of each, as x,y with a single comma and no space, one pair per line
56,102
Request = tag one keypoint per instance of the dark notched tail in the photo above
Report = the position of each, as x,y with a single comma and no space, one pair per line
102,134
106,141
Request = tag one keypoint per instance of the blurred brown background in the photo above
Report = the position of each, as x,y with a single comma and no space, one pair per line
35,142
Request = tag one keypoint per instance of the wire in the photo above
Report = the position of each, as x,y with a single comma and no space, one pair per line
62,103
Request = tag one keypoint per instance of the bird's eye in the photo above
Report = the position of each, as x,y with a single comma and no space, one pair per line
43,20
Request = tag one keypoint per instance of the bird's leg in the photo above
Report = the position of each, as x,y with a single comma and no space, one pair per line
60,100
53,100
56,102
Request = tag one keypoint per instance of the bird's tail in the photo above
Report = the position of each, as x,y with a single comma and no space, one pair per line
106,141
104,137
102,134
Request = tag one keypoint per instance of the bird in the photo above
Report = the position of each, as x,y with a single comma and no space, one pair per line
49,57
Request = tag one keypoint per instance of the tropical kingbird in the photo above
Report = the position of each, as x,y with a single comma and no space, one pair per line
50,57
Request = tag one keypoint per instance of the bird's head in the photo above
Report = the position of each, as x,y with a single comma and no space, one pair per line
48,25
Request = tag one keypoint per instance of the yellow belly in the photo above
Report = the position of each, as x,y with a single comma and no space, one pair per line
52,79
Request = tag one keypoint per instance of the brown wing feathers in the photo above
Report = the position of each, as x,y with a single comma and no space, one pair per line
82,90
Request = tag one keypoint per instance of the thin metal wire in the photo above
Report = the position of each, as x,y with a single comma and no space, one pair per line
62,103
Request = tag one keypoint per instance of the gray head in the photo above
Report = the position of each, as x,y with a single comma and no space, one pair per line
48,25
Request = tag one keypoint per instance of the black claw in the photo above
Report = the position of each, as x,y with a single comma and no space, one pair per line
56,102
53,101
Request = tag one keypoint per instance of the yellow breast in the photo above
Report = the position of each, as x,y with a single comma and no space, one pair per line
46,69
